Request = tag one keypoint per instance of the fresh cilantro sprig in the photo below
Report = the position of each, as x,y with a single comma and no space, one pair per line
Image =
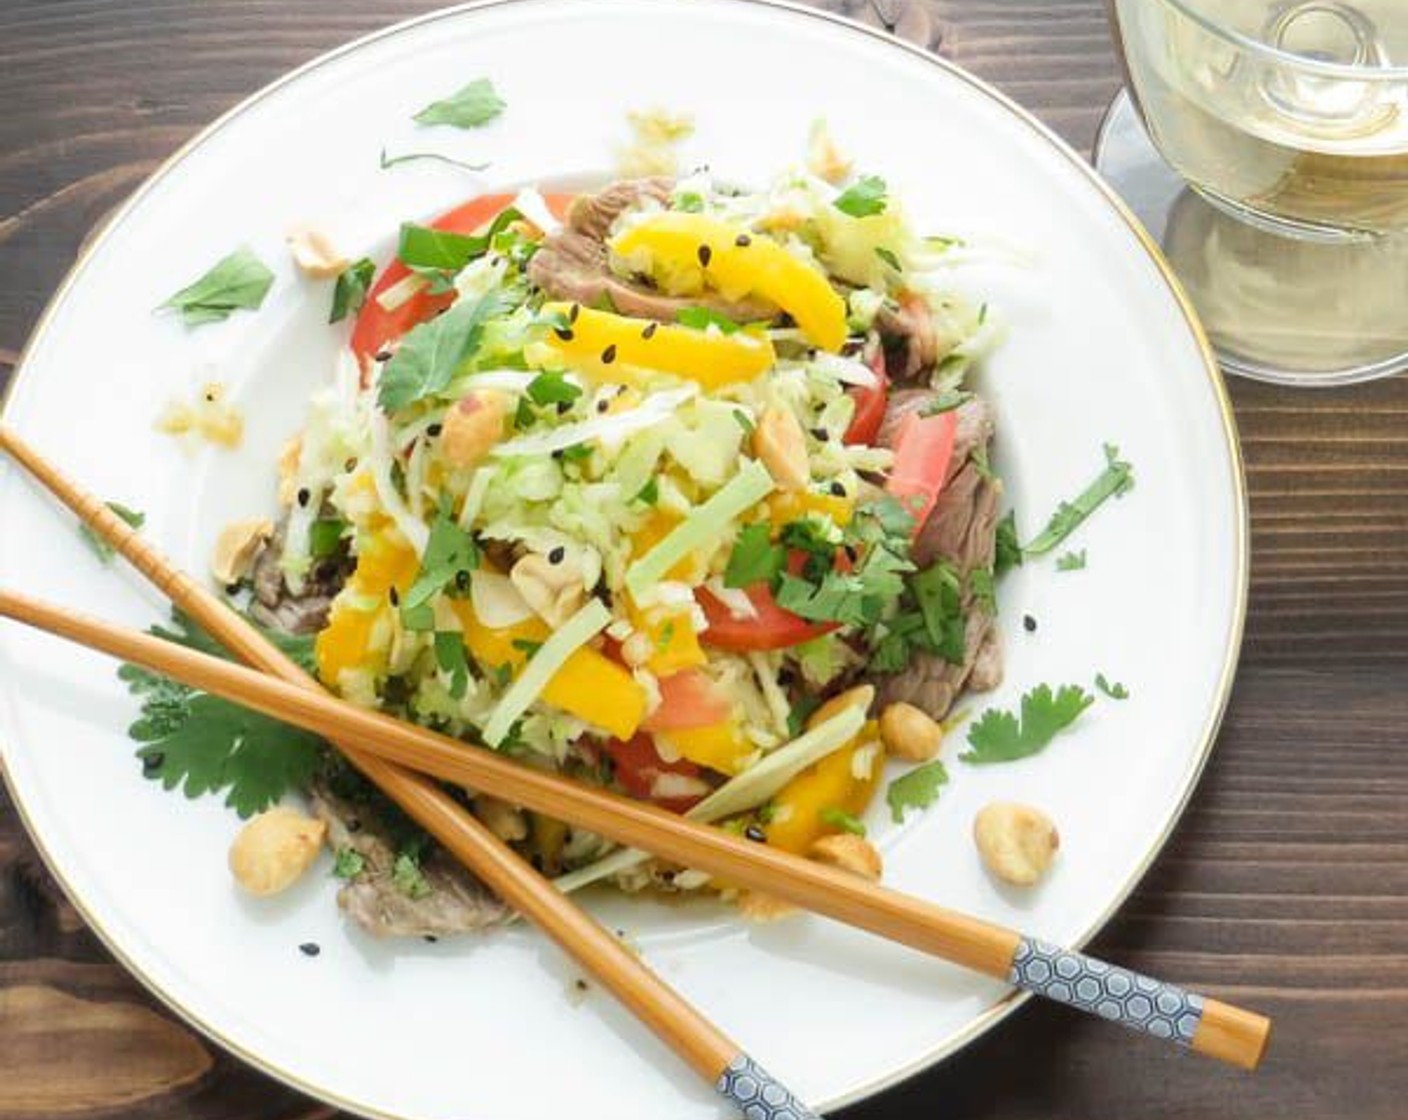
755,558
916,790
350,291
473,106
451,658
1000,736
238,282
431,353
1070,561
1008,551
1116,479
1115,691
863,198
450,555
105,552
205,744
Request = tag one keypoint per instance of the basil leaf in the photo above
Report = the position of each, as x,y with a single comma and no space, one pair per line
863,198
552,387
471,107
350,291
239,282
423,248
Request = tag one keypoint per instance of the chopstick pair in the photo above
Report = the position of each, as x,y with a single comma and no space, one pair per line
386,750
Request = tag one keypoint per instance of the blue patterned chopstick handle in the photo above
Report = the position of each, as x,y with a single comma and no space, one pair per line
1129,998
758,1095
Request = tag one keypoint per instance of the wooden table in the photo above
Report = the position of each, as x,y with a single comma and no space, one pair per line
1286,887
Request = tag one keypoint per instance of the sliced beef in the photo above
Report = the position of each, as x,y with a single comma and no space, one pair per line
962,529
456,903
907,331
275,604
572,264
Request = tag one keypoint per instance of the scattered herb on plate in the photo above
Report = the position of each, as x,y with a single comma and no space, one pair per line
916,790
388,162
350,291
1070,561
105,552
1000,736
1116,479
239,282
473,106
1115,691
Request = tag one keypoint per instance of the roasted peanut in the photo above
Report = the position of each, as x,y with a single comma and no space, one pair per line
781,446
274,849
862,696
315,254
848,852
472,426
909,733
505,821
554,591
1016,842
759,907
237,546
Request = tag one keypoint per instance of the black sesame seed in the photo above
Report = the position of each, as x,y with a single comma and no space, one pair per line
608,355
743,241
232,588
649,331
462,580
564,407
354,825
564,333
838,490
756,834
821,434
706,254
851,554
573,312
557,555
580,984
304,496
430,938
603,405
310,948
434,430
394,596
1028,623
211,397
382,356
153,762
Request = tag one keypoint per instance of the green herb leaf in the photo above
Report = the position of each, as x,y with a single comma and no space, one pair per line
916,790
839,818
800,713
325,537
1116,479
744,421
981,588
979,458
526,645
471,107
999,736
238,282
523,416
576,453
552,387
688,201
449,552
854,598
451,658
1114,691
439,251
105,551
702,318
1071,561
412,157
648,494
1008,553
408,878
754,559
350,291
431,353
348,863
889,258
863,198
940,606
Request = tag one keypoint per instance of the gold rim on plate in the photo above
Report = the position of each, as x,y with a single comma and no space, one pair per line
982,1022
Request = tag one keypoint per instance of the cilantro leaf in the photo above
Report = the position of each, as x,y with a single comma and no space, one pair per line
411,157
889,258
348,863
839,818
450,657
105,551
237,282
429,250
431,353
854,598
754,559
552,387
999,736
863,198
744,421
1008,553
916,790
800,713
936,589
1070,561
648,494
702,318
980,587
449,552
325,537
1116,479
350,291
408,878
690,202
1114,691
471,107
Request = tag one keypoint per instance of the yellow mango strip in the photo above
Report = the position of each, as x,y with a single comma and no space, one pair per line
737,262
674,644
589,685
829,784
616,348
720,746
787,506
385,561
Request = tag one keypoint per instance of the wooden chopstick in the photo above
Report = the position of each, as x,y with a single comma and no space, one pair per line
1206,1025
682,1027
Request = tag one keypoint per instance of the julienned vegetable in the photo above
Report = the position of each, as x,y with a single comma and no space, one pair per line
619,486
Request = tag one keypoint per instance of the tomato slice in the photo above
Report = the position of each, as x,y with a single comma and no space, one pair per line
870,404
774,627
376,327
688,699
639,768
923,450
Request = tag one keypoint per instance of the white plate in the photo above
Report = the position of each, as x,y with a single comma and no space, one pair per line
1102,347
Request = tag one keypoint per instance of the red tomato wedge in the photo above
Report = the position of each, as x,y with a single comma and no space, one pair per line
639,767
870,404
774,627
688,699
376,327
923,450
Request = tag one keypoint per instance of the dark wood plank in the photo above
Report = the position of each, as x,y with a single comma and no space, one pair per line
1287,883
